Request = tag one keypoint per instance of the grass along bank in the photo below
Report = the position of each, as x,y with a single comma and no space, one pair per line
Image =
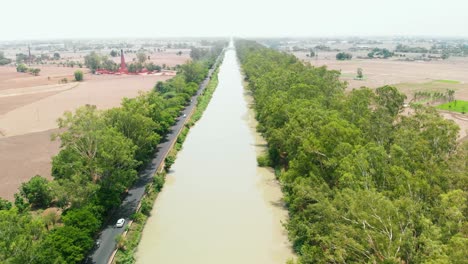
128,244
448,81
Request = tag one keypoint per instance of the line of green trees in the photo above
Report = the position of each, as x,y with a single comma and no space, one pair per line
406,48
23,68
95,61
200,52
363,183
3,59
101,154
376,52
344,56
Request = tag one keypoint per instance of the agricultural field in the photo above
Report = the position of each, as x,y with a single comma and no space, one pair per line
379,72
30,106
410,77
456,106
31,118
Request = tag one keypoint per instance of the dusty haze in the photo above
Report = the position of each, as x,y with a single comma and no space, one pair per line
246,18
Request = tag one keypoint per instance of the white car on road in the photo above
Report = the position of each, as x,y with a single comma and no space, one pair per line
120,222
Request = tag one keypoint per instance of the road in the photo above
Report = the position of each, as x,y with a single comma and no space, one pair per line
129,205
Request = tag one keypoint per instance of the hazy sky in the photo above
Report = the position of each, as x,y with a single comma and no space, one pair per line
38,19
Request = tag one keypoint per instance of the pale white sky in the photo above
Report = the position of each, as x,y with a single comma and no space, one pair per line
38,19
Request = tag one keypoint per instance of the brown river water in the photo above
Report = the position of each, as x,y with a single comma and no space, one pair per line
217,206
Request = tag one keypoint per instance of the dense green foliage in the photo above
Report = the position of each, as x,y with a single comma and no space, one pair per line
101,154
362,182
153,67
126,254
34,71
141,56
344,56
4,204
3,60
78,76
21,68
376,52
37,192
22,58
204,52
204,99
95,61
19,236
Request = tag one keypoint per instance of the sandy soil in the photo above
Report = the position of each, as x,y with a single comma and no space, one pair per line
103,91
6,104
22,157
380,72
12,93
10,79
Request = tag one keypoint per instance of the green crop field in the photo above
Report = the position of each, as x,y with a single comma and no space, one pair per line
448,81
456,106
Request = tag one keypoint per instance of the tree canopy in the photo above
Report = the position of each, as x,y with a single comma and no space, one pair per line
363,182
344,56
100,155
3,59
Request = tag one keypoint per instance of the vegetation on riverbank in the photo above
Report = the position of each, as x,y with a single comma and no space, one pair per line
101,154
126,254
205,98
362,182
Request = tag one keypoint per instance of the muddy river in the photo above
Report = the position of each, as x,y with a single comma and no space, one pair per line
217,206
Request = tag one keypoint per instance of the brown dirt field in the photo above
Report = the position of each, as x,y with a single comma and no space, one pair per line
379,72
407,76
7,104
27,121
104,91
10,79
22,157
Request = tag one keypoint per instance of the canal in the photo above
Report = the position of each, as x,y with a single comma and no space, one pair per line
217,206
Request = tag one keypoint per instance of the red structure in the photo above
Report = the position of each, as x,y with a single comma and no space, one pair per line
124,70
123,66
